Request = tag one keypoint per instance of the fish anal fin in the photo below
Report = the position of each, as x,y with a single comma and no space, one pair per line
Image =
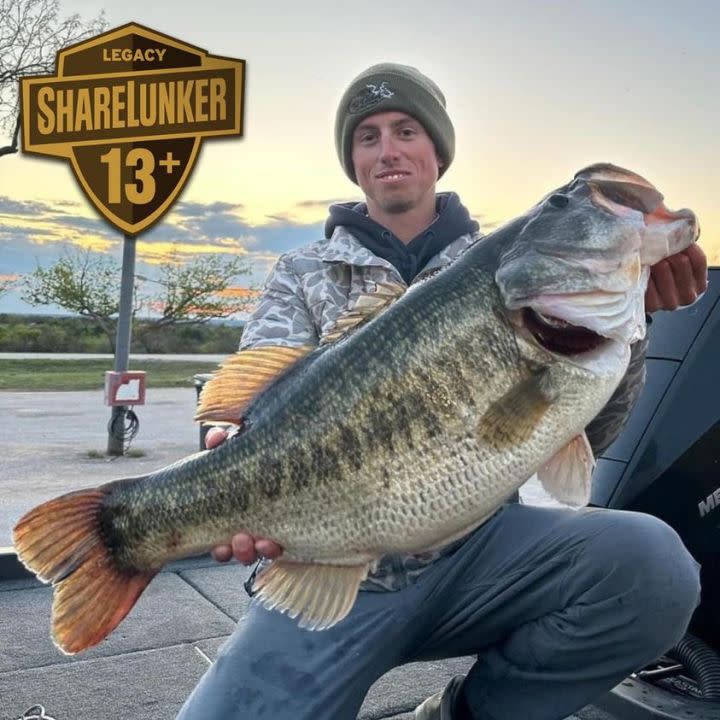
321,595
61,542
364,309
514,417
567,475
243,376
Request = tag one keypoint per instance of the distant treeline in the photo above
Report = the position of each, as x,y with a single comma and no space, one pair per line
48,333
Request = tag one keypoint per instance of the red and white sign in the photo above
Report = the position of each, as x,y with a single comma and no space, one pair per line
125,388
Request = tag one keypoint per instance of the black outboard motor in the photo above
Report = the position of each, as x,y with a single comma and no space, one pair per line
666,463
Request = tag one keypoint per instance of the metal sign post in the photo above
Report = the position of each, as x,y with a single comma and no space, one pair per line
116,428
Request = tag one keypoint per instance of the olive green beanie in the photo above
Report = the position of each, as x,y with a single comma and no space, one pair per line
387,87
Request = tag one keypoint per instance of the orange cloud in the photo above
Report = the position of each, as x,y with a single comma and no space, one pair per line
157,253
239,292
93,243
158,306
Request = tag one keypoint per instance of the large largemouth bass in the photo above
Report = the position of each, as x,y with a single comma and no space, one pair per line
402,431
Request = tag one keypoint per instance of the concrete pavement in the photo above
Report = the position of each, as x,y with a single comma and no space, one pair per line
51,441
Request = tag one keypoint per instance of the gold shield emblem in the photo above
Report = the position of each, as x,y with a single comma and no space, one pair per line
130,108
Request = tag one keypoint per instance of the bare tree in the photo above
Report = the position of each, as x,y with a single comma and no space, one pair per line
81,283
196,291
31,33
192,292
7,283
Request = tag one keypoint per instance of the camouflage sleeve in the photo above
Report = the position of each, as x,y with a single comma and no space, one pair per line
606,427
281,317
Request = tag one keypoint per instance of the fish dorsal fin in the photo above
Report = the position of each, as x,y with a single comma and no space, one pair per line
514,417
243,376
364,309
567,475
321,595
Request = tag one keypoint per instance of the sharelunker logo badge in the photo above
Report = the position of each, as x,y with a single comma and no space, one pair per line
129,109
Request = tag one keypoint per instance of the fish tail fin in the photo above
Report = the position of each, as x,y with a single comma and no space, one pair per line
61,542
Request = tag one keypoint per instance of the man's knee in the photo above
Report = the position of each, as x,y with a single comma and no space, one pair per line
647,575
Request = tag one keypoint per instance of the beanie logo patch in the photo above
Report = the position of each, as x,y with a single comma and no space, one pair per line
368,98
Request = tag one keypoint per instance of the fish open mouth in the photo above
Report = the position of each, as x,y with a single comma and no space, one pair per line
559,336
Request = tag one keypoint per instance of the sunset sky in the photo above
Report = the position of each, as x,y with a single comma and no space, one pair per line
536,90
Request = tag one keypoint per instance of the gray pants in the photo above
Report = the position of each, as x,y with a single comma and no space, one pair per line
560,605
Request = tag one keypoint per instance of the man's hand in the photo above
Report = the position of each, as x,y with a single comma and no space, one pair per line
244,547
677,280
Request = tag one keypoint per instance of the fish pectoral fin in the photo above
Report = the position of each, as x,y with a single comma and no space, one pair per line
567,475
321,595
61,541
364,309
513,418
243,376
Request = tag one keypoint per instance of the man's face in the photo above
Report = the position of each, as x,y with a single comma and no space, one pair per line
395,162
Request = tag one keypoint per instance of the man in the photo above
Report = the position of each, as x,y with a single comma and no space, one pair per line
560,605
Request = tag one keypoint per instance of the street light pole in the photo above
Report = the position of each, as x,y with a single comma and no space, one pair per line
116,429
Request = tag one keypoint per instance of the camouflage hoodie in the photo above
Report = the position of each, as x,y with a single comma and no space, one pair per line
311,286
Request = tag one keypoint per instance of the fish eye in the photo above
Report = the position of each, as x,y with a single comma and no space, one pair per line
558,200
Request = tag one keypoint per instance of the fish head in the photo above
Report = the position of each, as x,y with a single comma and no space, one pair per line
575,271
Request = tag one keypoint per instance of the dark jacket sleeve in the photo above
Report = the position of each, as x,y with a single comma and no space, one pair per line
605,428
